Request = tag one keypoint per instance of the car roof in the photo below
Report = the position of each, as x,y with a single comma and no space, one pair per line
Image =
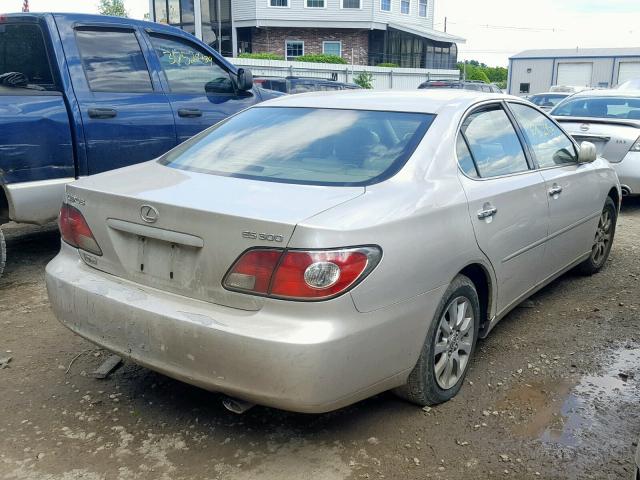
419,101
608,93
566,94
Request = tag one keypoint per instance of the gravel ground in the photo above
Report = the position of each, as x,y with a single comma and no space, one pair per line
553,393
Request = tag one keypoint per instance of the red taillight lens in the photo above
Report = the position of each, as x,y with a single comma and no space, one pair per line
75,231
301,274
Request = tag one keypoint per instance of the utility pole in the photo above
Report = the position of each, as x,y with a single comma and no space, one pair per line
219,29
445,24
25,6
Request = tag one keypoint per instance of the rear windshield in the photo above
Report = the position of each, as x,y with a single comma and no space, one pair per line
305,145
547,100
603,107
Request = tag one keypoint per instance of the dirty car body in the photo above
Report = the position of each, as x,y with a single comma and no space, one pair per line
299,254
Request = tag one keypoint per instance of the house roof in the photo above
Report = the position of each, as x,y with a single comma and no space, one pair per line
579,53
429,33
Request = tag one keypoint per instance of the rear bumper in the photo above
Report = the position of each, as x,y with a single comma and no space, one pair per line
628,171
306,357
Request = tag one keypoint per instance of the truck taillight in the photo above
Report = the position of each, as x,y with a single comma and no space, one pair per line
75,231
301,274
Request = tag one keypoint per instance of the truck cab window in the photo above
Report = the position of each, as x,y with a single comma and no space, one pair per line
113,61
22,50
189,69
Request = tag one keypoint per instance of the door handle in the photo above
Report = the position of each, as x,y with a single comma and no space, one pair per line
488,212
555,190
190,112
102,113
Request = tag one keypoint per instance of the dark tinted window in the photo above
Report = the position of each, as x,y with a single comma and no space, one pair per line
464,158
113,61
550,145
313,146
22,50
494,144
189,69
525,87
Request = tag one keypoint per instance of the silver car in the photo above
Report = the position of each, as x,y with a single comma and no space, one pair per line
318,249
610,119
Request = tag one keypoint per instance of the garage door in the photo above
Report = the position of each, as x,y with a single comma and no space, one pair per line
628,71
577,74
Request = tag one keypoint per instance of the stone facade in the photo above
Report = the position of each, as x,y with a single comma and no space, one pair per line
355,43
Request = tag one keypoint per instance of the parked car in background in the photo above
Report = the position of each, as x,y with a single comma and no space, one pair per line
610,119
317,249
293,84
81,94
474,85
548,100
568,89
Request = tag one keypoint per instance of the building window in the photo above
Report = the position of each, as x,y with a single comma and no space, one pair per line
332,48
315,3
385,5
405,6
294,48
423,8
524,87
350,3
278,3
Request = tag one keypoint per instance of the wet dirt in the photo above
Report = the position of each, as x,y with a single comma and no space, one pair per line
553,393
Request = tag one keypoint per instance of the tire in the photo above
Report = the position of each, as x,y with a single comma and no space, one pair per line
603,240
3,252
425,386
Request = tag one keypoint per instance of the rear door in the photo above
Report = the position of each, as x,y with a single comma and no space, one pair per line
199,87
575,197
507,200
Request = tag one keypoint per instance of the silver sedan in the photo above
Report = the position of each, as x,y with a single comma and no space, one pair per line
318,249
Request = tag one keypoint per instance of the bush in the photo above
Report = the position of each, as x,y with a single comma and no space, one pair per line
390,65
364,79
262,56
321,58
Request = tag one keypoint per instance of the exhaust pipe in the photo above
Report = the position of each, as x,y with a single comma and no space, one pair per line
236,405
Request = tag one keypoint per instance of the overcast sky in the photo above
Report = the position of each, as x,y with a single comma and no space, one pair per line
494,29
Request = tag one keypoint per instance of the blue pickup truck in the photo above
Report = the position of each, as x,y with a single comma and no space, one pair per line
81,94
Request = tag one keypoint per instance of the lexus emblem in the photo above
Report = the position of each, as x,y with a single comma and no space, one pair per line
584,127
149,214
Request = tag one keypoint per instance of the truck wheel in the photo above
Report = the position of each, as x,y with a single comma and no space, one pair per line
3,252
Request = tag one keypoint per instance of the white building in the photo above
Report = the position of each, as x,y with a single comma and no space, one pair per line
366,32
535,71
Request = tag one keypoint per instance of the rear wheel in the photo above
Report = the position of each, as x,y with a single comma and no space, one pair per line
448,348
3,252
603,240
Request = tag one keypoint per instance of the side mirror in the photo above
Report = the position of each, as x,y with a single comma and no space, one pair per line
588,153
245,79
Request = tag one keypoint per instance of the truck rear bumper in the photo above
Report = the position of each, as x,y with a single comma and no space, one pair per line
36,202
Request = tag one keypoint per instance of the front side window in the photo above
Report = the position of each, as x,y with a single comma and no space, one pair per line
549,144
350,3
493,142
405,6
189,69
278,3
385,5
311,146
315,3
332,48
22,50
294,48
422,8
113,61
600,107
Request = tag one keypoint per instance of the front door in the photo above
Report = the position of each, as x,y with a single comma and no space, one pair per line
199,88
507,201
126,118
573,189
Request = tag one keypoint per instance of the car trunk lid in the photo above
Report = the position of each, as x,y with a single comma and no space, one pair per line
181,231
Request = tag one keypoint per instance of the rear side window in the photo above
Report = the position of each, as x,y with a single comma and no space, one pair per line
22,50
113,61
311,146
493,142
189,69
550,145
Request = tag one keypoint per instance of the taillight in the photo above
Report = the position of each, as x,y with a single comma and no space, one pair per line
301,274
75,231
636,146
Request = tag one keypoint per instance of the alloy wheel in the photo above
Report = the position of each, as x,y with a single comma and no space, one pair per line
603,237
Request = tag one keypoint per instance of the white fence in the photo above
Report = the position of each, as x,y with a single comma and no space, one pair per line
384,78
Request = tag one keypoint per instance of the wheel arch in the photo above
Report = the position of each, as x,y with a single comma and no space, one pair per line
615,196
482,279
4,205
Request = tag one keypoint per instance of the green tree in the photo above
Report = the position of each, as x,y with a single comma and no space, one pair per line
112,7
